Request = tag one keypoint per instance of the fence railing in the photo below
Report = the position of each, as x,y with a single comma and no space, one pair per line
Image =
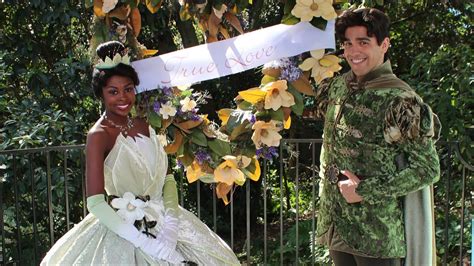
271,221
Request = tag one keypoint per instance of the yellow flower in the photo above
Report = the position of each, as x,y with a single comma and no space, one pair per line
253,95
256,173
224,115
307,9
205,120
228,172
323,66
222,189
266,133
194,172
277,95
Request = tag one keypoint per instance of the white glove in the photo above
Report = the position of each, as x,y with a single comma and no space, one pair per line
159,248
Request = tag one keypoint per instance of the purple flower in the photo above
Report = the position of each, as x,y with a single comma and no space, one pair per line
267,152
253,119
156,106
202,156
179,164
167,91
290,73
179,112
273,152
195,117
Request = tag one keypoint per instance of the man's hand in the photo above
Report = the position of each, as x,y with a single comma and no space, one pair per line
348,187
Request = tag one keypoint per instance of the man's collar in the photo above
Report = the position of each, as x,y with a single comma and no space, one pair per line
381,77
383,69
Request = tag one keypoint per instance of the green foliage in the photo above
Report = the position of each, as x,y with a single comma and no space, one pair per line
449,95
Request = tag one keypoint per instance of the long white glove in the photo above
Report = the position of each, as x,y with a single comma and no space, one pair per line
169,232
156,248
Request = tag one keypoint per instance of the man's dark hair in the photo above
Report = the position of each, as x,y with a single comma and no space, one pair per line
376,22
101,76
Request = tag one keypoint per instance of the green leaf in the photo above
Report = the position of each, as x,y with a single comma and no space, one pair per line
89,3
219,147
289,5
207,178
186,93
238,130
237,118
186,156
277,115
198,137
263,115
298,107
132,4
154,119
244,105
290,19
319,23
180,151
251,168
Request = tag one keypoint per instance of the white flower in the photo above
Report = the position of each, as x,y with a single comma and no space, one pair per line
187,104
129,208
278,95
162,139
167,110
266,133
108,5
307,9
323,66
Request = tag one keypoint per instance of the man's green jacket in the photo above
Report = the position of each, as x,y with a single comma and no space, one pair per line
379,129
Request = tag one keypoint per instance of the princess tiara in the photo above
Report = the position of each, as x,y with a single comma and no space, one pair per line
111,63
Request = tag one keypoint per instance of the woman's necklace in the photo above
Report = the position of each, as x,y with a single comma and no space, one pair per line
123,128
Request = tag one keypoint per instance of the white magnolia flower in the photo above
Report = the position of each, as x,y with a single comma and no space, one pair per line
266,133
129,208
187,104
307,9
162,139
108,5
322,66
278,95
167,110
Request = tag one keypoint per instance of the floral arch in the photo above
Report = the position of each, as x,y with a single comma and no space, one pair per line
225,154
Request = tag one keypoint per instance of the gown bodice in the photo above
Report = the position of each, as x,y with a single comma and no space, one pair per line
136,165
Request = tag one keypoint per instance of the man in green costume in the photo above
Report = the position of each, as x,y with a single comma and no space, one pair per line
378,149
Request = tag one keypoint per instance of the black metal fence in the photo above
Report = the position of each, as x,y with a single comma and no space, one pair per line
271,221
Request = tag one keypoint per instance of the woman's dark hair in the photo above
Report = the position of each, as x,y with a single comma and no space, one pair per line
101,76
376,22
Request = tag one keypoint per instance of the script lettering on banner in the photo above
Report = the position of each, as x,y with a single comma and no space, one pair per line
241,53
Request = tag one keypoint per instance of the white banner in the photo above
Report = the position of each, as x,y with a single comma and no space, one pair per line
244,52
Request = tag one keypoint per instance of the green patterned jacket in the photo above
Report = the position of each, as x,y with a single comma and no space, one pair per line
381,130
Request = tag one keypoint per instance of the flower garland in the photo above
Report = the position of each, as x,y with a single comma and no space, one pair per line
227,154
